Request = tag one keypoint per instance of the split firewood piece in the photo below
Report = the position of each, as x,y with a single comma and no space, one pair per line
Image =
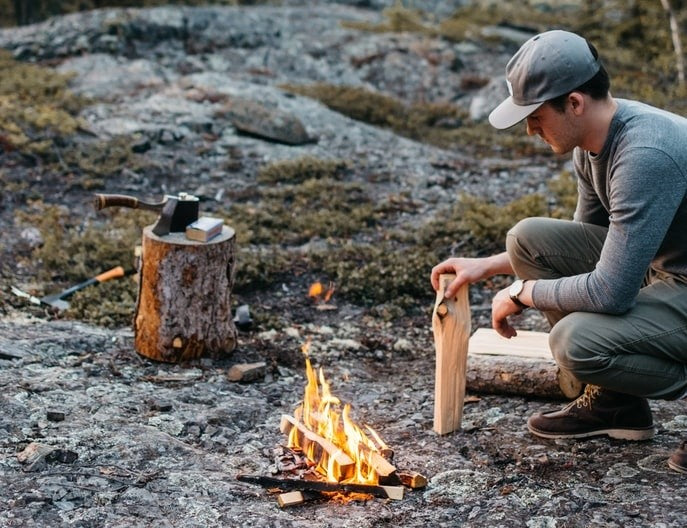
247,371
522,365
309,440
412,479
451,326
294,498
381,465
385,492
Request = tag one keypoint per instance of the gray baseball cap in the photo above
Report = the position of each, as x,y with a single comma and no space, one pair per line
546,66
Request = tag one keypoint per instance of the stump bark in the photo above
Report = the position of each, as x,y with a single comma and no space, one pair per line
183,310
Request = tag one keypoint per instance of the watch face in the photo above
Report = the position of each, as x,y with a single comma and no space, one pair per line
515,288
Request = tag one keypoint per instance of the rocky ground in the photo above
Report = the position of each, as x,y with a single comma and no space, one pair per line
92,434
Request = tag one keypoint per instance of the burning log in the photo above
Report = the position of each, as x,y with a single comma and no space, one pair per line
451,326
520,366
385,492
412,479
311,442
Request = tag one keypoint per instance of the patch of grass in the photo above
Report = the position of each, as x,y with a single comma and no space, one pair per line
73,251
96,160
110,304
441,124
378,274
398,18
295,214
302,169
36,107
564,191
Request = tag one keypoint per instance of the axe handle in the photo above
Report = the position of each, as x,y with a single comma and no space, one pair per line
114,273
121,200
117,271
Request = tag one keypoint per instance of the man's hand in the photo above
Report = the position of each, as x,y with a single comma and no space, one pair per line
501,308
467,270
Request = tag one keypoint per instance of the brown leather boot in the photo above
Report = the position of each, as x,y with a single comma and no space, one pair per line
597,412
678,460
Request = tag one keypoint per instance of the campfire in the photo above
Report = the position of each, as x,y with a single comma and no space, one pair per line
327,453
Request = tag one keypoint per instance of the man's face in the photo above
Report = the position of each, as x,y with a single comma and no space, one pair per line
557,129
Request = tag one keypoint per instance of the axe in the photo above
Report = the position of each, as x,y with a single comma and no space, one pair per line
176,212
57,300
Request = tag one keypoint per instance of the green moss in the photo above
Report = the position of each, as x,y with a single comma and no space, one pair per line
378,274
110,304
302,169
36,108
398,18
294,214
441,124
96,160
74,250
564,190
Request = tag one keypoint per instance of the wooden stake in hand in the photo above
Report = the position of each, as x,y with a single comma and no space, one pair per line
451,326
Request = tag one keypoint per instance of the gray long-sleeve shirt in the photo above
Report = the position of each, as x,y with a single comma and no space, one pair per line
637,187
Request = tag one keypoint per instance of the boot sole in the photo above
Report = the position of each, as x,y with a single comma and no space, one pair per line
619,434
676,467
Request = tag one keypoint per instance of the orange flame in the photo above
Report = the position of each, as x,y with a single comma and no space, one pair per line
320,413
319,294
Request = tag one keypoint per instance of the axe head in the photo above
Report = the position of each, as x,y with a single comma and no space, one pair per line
177,212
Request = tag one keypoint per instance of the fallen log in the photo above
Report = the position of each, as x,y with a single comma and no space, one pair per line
319,447
521,366
384,492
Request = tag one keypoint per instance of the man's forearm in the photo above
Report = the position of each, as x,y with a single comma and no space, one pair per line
499,265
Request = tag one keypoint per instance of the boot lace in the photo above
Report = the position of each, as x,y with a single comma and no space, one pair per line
587,398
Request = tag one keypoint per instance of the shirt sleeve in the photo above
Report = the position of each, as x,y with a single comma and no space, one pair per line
645,190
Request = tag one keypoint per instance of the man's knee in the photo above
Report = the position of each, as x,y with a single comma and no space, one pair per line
574,347
521,242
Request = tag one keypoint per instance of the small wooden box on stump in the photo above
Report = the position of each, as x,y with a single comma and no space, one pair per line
451,325
183,310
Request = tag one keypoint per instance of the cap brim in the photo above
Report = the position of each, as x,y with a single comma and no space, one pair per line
508,113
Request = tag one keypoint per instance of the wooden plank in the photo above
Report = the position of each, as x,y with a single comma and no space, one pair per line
525,344
451,327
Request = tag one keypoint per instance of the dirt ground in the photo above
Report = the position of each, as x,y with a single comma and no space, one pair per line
94,435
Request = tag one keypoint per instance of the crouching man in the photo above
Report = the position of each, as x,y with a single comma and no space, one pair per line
613,281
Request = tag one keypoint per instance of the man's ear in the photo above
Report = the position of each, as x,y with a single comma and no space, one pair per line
576,100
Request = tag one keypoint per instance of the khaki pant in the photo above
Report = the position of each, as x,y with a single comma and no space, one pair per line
641,352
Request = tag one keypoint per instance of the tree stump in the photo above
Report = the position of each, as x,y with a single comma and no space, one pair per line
183,310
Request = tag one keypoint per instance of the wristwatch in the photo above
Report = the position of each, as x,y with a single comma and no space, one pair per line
515,290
